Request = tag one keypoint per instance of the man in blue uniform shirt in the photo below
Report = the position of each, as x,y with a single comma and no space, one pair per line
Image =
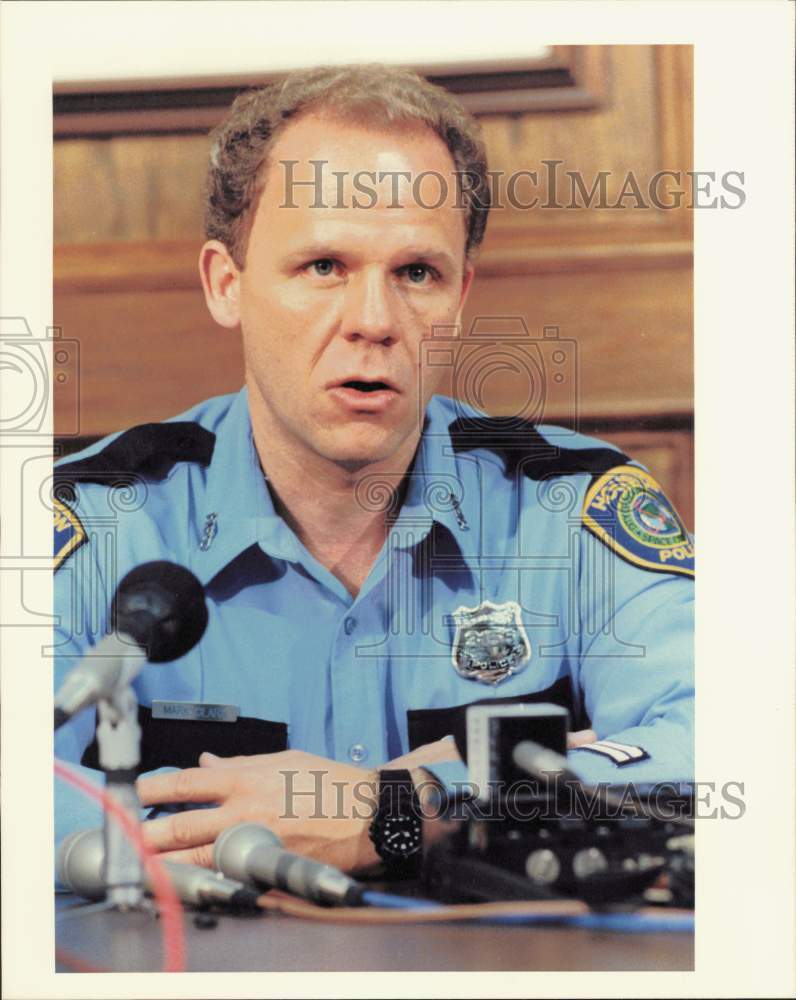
375,557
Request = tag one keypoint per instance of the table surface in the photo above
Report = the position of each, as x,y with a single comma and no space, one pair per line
131,942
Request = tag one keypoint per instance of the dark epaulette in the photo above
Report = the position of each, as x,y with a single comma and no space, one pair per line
521,445
150,450
624,507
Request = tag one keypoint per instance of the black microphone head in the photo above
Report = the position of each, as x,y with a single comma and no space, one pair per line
162,607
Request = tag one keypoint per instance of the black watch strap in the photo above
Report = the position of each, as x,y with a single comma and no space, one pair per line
397,829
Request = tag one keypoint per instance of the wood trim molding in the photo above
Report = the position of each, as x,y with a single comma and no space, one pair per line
506,260
571,77
161,264
126,266
675,69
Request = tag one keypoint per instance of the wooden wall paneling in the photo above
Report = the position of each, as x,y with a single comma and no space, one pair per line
126,266
675,69
631,332
645,127
128,188
145,356
622,136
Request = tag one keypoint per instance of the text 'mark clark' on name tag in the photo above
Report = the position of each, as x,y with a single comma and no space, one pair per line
194,711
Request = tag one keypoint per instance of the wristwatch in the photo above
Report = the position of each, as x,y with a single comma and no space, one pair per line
396,828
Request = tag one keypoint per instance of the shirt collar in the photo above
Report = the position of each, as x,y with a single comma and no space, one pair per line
238,497
441,489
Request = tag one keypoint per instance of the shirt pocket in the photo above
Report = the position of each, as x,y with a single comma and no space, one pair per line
426,725
179,742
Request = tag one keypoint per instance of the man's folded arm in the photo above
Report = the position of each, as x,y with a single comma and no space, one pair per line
636,678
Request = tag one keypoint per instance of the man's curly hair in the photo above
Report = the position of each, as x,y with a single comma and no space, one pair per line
373,94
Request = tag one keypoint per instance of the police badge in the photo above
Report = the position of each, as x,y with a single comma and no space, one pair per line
490,643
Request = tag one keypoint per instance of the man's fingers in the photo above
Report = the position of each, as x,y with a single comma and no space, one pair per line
430,753
192,784
208,759
183,830
581,737
202,855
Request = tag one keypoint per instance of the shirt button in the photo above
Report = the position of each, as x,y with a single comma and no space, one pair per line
349,625
357,752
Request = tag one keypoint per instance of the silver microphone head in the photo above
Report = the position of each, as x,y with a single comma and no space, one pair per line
80,868
539,760
234,846
79,863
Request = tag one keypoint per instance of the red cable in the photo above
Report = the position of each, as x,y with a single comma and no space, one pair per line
165,896
76,963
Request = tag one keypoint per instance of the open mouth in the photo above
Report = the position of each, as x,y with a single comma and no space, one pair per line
369,396
366,386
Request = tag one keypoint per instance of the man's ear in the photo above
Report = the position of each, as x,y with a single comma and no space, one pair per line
221,283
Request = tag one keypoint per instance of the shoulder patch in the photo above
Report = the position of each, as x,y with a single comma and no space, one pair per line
628,511
69,533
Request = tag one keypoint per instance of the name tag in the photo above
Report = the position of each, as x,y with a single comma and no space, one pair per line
194,711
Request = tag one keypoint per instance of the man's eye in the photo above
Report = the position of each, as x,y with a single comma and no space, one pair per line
323,267
419,274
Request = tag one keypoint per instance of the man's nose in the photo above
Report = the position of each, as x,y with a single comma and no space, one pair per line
369,311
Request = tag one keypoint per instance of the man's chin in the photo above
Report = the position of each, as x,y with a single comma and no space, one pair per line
355,450
355,461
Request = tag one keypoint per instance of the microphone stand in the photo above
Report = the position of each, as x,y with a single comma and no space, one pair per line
119,742
159,607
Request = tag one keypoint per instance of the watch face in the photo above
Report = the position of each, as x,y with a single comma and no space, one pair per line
400,836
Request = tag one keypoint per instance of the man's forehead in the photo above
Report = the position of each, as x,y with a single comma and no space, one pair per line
327,135
323,160
376,234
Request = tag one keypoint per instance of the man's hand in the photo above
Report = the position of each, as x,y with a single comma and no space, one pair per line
445,749
580,738
319,808
430,753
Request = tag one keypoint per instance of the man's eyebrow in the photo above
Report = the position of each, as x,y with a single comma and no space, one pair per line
427,254
406,255
312,251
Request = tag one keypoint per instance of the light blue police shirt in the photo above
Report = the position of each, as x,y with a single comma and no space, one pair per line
605,622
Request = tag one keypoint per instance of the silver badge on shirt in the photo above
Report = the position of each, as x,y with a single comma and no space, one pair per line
490,642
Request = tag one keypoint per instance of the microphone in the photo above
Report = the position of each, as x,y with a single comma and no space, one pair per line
80,864
542,762
252,853
160,614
